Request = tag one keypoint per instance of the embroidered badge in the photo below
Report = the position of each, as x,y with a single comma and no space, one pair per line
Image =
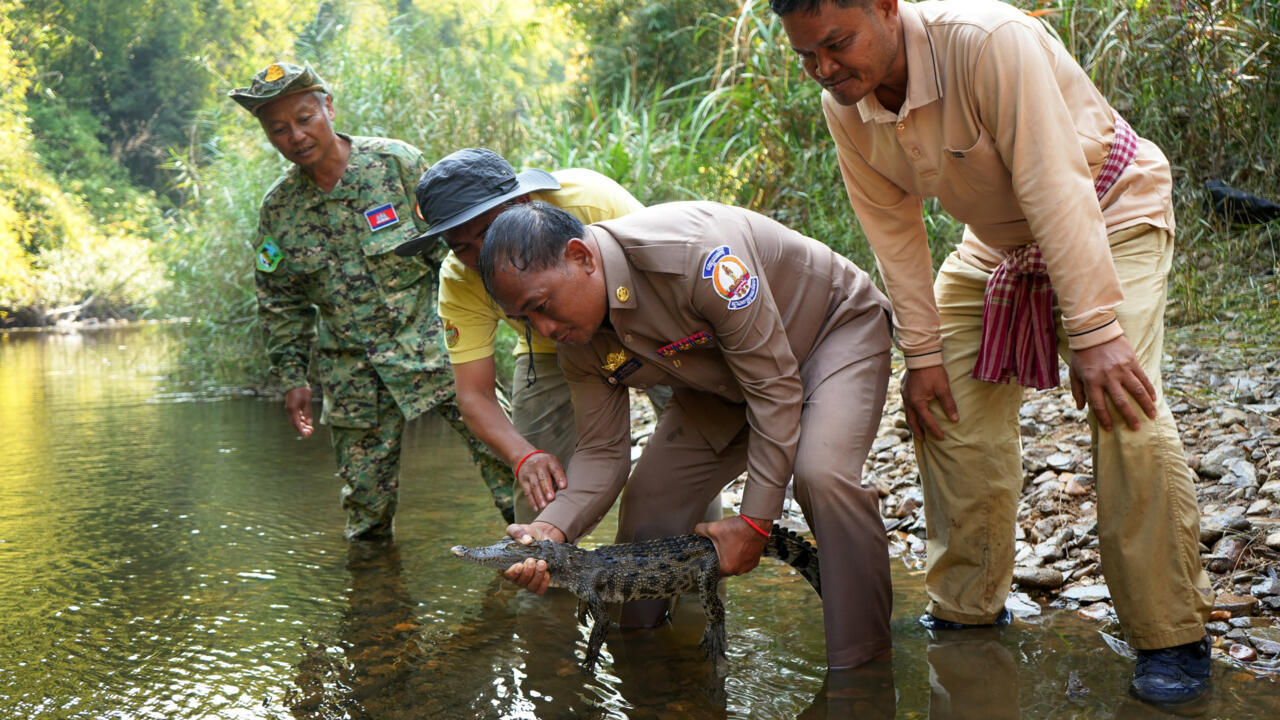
731,278
269,255
614,360
623,293
623,370
274,73
685,344
381,216
450,334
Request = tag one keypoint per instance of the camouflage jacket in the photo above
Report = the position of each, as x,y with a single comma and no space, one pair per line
328,283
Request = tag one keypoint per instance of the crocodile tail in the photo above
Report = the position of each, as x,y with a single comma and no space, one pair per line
795,551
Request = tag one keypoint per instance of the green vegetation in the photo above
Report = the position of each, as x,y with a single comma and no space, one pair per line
676,100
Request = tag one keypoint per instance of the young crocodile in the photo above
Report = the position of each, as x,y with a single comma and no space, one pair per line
660,568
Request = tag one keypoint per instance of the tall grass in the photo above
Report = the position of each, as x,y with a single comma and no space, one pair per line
741,124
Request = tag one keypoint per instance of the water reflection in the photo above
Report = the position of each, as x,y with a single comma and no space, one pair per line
170,556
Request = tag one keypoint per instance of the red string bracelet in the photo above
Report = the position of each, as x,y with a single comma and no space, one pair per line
752,524
526,457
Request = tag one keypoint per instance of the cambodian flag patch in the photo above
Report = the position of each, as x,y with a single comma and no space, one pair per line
381,216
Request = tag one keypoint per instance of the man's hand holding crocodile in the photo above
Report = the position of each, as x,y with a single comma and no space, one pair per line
738,544
532,574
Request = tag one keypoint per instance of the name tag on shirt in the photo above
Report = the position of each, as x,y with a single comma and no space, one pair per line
381,217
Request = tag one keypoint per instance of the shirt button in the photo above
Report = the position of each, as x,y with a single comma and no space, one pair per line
627,337
721,388
676,363
915,152
902,126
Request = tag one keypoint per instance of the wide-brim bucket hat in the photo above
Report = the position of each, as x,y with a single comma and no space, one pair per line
465,185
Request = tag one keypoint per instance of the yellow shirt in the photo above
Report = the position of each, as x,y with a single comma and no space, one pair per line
1002,126
471,317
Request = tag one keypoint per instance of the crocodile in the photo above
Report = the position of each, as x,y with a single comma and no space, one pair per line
661,568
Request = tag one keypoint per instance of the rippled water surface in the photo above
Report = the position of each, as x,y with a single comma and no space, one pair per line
166,556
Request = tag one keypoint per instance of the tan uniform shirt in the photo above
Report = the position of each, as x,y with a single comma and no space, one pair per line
756,297
1002,126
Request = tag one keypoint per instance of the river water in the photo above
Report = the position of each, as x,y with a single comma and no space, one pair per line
171,556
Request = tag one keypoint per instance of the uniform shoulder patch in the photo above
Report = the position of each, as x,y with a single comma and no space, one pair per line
269,255
451,334
731,278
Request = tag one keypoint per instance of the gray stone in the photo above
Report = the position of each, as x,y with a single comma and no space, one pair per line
1087,593
1213,464
1242,472
1266,588
1231,416
1217,628
1048,551
1271,489
1273,541
1060,461
1211,530
885,442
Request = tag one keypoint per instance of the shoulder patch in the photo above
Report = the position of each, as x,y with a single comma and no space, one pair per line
269,255
731,278
450,334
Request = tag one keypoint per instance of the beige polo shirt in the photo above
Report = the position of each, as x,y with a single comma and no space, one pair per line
1004,127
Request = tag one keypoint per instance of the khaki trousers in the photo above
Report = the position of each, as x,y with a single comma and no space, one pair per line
679,473
543,414
1148,520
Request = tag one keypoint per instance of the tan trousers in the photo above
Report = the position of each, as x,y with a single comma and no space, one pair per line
1147,515
543,414
679,473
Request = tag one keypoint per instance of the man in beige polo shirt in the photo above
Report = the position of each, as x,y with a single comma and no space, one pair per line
976,104
777,350
459,196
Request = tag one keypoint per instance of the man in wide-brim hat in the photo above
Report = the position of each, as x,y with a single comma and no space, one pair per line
458,198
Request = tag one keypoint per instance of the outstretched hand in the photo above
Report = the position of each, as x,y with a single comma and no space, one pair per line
921,387
532,574
297,405
738,545
1111,370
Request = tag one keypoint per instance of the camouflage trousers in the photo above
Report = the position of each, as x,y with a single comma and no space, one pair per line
369,465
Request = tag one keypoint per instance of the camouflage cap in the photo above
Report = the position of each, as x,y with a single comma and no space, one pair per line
276,81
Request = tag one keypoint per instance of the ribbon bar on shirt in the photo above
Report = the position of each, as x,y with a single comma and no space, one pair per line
1018,337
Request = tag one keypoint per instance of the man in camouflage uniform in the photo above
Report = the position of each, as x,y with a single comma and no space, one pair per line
326,231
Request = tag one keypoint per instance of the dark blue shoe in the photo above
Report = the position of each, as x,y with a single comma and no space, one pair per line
1174,675
936,623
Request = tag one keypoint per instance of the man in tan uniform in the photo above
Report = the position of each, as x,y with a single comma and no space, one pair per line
976,104
777,350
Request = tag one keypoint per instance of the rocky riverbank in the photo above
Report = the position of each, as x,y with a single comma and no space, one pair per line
1227,403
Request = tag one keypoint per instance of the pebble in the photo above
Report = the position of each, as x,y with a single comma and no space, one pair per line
1243,652
1235,604
1038,577
1270,586
1071,487
1087,593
